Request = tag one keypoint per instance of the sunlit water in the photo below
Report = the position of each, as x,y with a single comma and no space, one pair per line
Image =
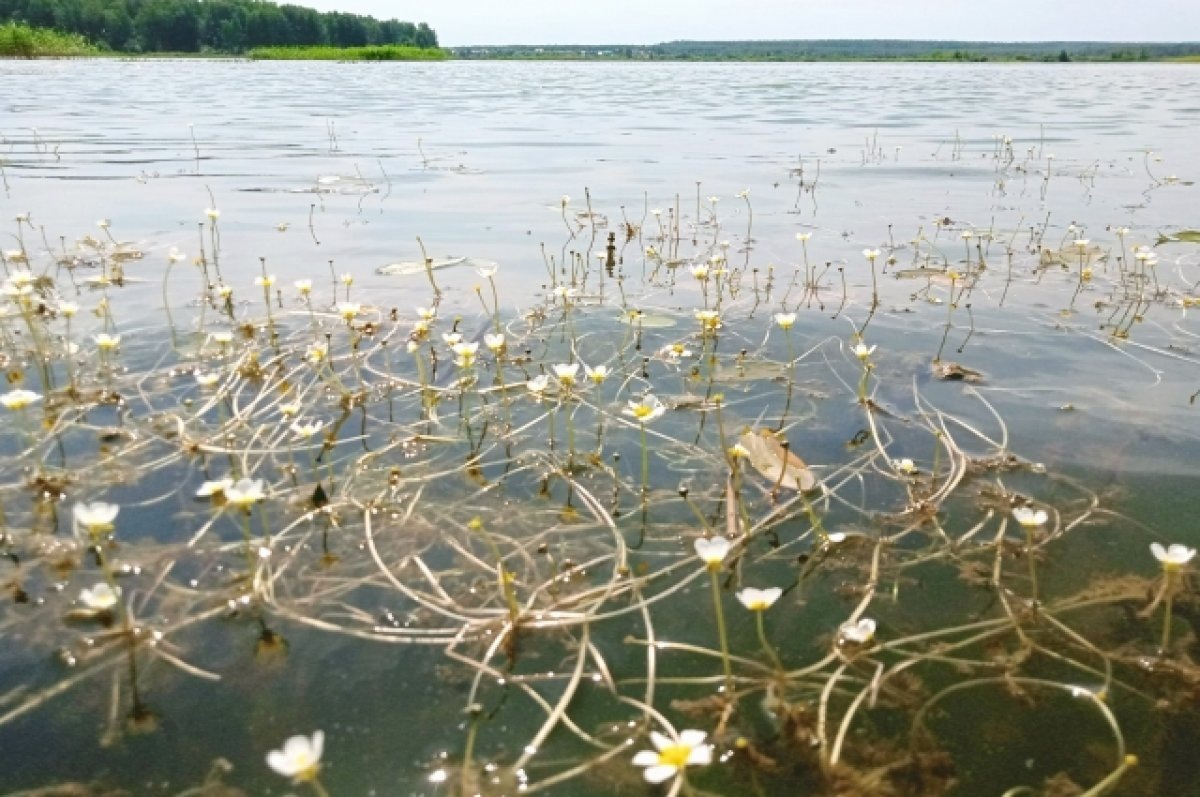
312,163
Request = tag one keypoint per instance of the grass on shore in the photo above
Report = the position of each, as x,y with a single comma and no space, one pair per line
385,52
18,40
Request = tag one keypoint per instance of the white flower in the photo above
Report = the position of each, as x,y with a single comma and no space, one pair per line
13,290
871,254
106,341
175,256
218,487
427,313
905,465
566,373
212,213
100,598
656,212
316,353
15,256
488,270
290,409
700,272
104,224
859,633
265,281
306,430
1082,243
346,278
1174,557
495,343
465,354
862,352
21,277
709,319
208,379
222,338
452,338
785,320
675,352
803,236
68,309
646,410
712,550
759,600
1030,518
300,758
304,286
347,310
95,518
538,384
224,291
19,399
245,493
597,374
670,756
744,193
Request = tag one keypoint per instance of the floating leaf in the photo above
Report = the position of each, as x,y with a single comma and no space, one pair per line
1181,237
939,274
407,268
648,320
751,371
955,372
769,458
1071,255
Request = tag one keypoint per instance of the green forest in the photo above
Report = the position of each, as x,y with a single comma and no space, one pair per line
217,26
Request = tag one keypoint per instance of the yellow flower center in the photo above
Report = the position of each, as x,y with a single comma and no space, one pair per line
674,756
642,411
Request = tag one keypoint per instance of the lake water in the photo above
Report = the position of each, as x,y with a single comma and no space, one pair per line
1080,357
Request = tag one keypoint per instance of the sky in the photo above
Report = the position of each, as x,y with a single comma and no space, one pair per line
465,22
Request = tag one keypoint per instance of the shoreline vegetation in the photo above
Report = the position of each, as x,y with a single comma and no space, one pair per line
385,52
22,41
190,27
844,50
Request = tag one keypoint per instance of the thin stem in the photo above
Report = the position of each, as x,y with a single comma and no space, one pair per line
762,639
721,634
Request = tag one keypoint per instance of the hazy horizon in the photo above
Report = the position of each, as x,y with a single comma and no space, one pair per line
541,22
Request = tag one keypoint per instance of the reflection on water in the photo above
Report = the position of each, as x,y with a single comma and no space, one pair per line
474,540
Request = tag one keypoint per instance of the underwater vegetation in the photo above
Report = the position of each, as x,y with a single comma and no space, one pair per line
689,523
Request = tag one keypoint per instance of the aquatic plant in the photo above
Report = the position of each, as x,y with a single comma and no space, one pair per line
321,484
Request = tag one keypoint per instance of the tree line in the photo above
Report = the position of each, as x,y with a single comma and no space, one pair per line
226,26
843,50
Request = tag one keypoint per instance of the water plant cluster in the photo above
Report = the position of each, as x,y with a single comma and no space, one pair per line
18,40
689,520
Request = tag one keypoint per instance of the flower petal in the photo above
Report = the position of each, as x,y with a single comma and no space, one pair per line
645,758
278,761
692,738
701,755
659,773
661,741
